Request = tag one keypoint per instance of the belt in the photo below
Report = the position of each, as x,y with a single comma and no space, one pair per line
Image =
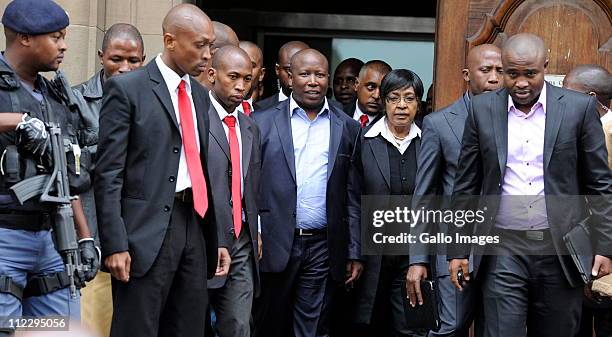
539,235
310,232
185,195
28,222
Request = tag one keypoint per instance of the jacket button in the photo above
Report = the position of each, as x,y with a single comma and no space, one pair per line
175,150
293,214
171,179
166,208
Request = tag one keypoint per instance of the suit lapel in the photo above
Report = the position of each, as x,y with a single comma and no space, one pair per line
455,117
555,109
334,140
378,146
246,134
161,90
283,127
499,117
217,131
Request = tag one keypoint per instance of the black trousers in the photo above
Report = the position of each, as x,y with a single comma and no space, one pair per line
171,299
526,294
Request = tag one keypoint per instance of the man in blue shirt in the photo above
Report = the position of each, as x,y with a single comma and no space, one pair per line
309,204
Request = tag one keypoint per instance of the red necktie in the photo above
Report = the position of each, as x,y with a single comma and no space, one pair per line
230,121
192,154
246,108
363,119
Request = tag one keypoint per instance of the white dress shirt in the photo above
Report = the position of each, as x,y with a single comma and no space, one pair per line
241,109
172,79
281,96
358,113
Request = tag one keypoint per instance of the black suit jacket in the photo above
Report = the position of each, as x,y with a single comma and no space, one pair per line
266,103
137,164
574,164
218,167
278,191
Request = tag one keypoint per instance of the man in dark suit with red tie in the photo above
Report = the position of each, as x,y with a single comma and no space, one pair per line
234,159
154,206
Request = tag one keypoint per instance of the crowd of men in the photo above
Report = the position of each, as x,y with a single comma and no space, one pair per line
214,211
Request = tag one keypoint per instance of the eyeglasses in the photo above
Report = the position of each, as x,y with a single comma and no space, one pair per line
396,99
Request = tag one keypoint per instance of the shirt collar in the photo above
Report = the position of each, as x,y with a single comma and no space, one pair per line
381,128
220,110
541,101
241,109
281,95
607,117
293,105
171,78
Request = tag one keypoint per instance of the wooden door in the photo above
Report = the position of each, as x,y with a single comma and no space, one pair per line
575,32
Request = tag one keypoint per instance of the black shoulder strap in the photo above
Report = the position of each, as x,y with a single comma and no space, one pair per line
10,83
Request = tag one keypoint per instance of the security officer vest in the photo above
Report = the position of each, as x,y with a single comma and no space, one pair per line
14,97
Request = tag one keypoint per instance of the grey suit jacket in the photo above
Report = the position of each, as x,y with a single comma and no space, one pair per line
219,166
437,164
574,164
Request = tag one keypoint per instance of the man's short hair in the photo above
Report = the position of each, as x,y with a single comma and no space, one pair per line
123,31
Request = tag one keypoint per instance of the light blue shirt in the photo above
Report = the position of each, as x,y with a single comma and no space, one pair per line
311,150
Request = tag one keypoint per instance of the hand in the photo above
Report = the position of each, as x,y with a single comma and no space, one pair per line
90,256
223,262
32,136
415,275
353,271
259,247
119,265
454,266
602,266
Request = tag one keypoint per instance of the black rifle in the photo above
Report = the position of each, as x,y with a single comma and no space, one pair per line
54,189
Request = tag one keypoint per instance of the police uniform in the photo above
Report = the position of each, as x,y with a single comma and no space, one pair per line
32,277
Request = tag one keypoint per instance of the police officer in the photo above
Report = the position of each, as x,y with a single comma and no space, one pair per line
33,281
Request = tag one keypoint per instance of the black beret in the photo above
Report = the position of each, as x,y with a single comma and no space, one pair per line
34,17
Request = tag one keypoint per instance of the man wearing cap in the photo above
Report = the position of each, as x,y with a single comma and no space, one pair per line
32,277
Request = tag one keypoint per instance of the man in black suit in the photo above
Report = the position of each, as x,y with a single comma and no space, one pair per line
282,69
437,164
234,158
309,204
536,149
154,206
368,105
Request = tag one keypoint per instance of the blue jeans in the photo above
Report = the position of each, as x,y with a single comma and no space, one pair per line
24,254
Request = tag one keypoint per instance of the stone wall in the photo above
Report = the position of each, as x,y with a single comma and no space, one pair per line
89,19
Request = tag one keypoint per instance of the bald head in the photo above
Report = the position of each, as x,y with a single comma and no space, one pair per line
378,66
230,76
184,17
308,56
285,53
524,62
593,80
484,69
253,50
224,35
188,34
228,55
525,46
